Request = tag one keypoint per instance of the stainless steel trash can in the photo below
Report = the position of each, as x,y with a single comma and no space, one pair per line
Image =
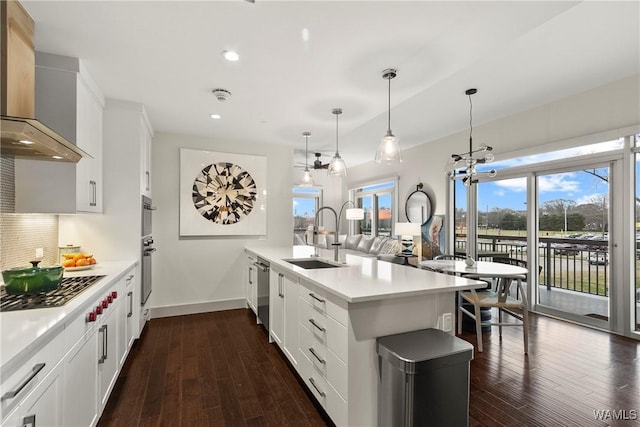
424,379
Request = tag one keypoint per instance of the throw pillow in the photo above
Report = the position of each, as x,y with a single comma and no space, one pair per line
365,243
377,245
351,242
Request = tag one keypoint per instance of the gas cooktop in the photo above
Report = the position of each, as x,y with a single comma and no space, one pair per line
69,288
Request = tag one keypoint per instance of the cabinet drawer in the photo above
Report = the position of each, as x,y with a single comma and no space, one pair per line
324,303
17,385
324,360
324,329
324,393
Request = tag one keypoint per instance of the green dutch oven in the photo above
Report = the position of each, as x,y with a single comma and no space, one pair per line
32,280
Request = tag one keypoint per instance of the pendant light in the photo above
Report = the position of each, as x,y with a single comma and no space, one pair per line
389,147
337,167
467,160
307,178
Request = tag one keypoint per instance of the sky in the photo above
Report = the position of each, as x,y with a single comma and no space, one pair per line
578,186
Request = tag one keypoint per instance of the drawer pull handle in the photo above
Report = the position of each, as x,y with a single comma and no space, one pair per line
313,322
312,351
13,393
29,421
312,295
320,392
130,295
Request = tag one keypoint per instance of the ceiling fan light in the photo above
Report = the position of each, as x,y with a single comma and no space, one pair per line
489,158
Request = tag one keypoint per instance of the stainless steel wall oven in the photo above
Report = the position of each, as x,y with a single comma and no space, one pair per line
147,248
147,251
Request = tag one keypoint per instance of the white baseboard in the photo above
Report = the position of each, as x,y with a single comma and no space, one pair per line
204,307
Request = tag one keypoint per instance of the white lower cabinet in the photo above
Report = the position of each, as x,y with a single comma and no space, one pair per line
43,406
108,362
323,391
81,382
276,307
251,283
283,312
127,325
322,349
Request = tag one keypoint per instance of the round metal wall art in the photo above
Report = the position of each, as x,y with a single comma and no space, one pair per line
224,193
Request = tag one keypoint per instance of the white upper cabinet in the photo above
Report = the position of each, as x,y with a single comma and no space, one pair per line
70,103
145,155
128,136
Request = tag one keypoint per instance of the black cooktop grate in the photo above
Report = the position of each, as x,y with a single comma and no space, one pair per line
69,288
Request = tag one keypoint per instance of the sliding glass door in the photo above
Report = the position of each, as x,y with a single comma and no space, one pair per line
573,243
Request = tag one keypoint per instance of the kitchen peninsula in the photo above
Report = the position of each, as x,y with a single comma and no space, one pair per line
326,320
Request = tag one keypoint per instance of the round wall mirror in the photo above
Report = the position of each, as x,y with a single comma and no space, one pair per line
418,206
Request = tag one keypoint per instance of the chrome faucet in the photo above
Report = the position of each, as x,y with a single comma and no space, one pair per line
335,244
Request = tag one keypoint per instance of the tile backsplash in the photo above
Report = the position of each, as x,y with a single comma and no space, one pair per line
21,234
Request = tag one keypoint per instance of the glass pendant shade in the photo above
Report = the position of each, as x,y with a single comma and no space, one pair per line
389,148
307,178
337,166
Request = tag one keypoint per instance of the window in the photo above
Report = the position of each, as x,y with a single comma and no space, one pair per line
306,202
379,203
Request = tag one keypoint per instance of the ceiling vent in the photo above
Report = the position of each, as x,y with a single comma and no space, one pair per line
221,94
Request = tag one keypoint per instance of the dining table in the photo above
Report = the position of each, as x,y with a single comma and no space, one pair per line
499,272
487,269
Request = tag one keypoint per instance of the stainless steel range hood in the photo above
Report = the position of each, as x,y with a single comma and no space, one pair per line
28,138
22,135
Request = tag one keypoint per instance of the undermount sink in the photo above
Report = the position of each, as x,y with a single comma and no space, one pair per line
312,263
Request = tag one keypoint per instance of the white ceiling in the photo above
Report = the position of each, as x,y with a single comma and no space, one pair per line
166,55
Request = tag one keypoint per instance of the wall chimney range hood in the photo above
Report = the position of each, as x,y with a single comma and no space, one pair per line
22,135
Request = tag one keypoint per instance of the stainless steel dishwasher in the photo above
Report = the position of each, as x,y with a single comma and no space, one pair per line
263,291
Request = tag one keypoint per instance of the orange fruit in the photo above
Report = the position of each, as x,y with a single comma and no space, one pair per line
78,257
82,262
91,260
68,263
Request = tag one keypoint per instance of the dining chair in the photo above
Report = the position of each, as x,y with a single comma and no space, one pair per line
519,263
502,300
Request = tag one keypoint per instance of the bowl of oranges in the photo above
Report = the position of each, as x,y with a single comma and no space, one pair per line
78,261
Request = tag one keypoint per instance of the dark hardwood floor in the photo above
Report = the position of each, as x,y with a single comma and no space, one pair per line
217,369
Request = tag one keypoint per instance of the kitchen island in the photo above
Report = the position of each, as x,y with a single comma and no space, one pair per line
326,320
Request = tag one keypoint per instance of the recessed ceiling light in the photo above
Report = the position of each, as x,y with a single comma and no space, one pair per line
215,116
230,55
25,142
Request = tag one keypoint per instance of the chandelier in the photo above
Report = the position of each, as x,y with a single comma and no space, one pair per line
463,166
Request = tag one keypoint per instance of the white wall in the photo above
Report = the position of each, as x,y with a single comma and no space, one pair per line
205,273
607,108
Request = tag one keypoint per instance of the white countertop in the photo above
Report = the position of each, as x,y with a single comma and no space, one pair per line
23,332
364,278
